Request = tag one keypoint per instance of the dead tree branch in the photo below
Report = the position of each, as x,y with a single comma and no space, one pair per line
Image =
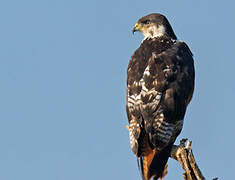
184,155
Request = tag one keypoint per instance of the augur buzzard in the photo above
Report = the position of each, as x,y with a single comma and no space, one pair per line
160,84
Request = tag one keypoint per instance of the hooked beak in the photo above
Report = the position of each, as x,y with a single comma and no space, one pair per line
136,28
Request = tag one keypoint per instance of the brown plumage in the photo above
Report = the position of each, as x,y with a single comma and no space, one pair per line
160,83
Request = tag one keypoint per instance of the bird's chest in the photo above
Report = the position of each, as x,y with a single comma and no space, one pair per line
142,93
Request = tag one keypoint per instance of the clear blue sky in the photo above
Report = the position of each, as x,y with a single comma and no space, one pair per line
63,72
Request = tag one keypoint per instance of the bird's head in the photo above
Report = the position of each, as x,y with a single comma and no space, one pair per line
154,25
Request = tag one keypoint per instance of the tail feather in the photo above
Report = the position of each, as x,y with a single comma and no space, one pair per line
154,163
145,162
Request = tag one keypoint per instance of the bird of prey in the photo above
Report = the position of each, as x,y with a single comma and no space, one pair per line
160,84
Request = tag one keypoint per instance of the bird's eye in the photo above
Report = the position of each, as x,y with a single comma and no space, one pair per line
146,22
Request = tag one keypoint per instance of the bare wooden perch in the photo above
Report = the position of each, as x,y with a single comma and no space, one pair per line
184,155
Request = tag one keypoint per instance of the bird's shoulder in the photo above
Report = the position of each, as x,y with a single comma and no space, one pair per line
141,58
157,62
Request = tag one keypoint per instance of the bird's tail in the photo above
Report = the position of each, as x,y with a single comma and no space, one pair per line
154,163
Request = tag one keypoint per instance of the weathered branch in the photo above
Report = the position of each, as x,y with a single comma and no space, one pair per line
184,155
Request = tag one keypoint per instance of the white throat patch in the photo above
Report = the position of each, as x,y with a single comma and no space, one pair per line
154,31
